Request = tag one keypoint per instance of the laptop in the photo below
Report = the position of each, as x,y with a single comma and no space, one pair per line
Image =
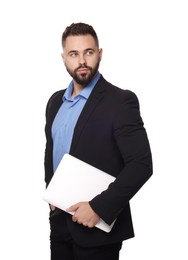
75,181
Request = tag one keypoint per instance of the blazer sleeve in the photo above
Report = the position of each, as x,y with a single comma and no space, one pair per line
132,141
51,109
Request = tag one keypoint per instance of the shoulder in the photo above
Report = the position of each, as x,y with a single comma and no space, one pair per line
118,94
55,97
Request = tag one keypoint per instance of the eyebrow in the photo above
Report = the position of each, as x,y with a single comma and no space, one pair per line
76,51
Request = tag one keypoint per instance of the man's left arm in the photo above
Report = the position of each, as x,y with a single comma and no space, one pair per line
132,141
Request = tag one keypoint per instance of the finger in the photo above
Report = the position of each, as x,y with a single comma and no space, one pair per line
90,225
52,207
74,219
73,207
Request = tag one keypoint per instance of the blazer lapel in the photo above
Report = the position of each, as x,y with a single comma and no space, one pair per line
95,97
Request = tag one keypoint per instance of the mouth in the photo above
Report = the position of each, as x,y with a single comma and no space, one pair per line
83,70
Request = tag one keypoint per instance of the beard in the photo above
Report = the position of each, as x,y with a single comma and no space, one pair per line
84,78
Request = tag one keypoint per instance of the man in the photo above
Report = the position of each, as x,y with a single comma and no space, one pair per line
101,125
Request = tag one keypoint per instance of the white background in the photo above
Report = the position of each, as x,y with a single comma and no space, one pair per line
145,50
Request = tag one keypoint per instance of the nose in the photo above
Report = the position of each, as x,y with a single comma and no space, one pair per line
81,59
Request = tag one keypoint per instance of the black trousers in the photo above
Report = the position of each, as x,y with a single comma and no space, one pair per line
68,250
63,247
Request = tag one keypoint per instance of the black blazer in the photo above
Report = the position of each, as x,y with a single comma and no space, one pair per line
109,135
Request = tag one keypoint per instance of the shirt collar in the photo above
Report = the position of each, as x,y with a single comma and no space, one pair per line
85,93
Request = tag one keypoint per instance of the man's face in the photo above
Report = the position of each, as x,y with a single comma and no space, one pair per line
81,57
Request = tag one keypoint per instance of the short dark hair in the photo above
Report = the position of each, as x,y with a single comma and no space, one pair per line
79,29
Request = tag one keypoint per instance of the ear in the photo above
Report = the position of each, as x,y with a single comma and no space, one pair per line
100,53
63,56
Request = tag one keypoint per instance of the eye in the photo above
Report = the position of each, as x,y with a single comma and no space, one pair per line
73,54
89,52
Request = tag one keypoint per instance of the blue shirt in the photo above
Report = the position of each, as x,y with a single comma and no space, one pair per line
66,119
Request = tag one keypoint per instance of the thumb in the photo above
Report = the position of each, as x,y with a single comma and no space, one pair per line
73,207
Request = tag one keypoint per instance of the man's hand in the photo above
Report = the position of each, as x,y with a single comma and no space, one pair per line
52,207
84,214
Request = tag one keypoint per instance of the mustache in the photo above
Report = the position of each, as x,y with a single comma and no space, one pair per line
83,66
